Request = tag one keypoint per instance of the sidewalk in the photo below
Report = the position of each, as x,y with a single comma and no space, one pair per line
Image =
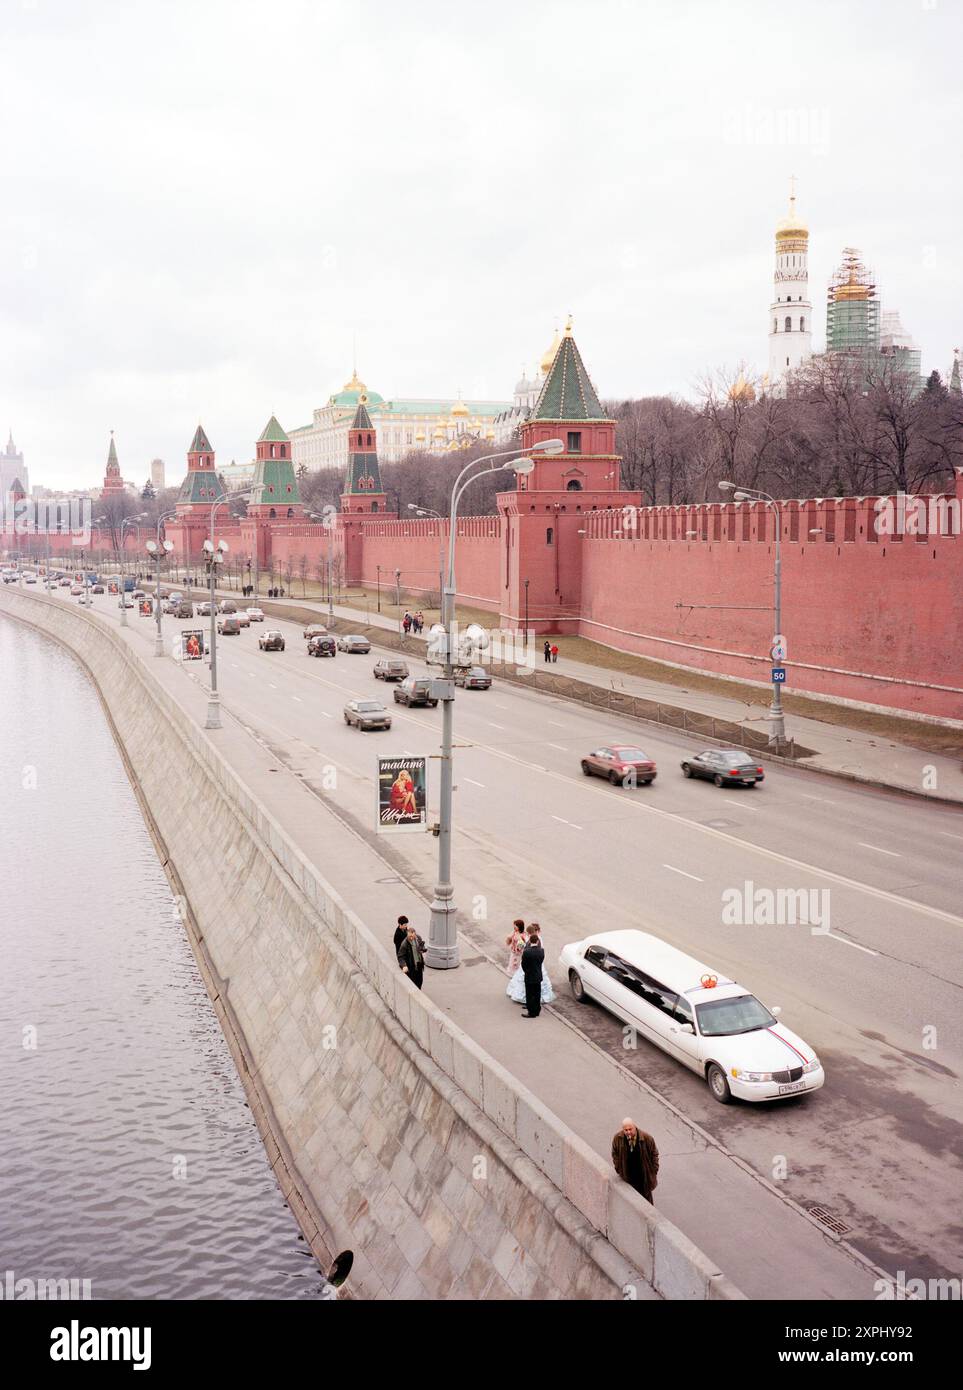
840,752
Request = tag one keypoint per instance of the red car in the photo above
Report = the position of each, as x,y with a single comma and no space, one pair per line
624,764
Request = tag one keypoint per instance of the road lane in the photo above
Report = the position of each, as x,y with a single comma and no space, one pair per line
626,866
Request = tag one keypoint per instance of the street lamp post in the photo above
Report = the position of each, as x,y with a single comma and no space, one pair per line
88,586
127,521
398,594
157,550
215,556
442,949
378,568
430,511
777,721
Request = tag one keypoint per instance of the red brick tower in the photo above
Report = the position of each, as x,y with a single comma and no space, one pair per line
275,496
542,518
113,482
362,496
199,489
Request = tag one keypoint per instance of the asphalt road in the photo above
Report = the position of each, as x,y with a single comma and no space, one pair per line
878,994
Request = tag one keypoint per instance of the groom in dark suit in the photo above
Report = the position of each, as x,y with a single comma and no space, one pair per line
532,958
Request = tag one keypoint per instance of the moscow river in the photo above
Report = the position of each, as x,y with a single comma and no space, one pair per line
129,1155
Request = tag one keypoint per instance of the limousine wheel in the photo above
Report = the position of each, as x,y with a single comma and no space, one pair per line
578,989
718,1084
586,769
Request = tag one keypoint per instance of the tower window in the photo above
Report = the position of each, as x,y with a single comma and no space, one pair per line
575,441
788,324
802,324
775,325
573,485
549,535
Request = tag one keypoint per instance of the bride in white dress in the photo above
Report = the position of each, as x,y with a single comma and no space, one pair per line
516,985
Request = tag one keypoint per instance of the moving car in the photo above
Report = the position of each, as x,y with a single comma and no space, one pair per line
271,642
388,669
125,601
322,645
698,1016
32,579
227,605
97,589
204,609
416,690
725,766
354,642
315,630
184,609
474,678
228,625
367,714
623,764
139,593
256,615
243,618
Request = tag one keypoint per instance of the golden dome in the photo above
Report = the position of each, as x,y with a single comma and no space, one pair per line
489,434
545,366
419,437
793,226
354,384
742,390
439,431
460,409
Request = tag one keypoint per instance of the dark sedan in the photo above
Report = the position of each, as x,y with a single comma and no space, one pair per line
725,767
625,765
474,678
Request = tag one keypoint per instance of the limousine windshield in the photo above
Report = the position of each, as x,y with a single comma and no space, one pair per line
725,1017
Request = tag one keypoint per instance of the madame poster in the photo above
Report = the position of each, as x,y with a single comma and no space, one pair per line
402,794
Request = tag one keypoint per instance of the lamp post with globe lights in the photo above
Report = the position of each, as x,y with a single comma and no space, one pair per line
127,521
777,721
444,651
430,511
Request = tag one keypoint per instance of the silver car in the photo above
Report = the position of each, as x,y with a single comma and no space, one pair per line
367,714
353,642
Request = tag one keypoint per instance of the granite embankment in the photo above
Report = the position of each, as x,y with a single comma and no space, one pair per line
390,1131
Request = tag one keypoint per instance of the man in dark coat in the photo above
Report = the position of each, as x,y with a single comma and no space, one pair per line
401,931
532,958
411,957
636,1159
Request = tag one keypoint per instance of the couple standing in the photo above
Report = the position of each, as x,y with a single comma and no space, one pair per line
529,984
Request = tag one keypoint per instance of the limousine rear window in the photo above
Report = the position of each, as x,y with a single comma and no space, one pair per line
727,1017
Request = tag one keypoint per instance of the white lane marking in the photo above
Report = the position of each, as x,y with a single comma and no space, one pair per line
234,664
559,747
818,798
950,836
298,698
567,822
251,674
493,725
674,870
847,942
474,783
273,687
323,713
742,806
891,852
499,705
556,724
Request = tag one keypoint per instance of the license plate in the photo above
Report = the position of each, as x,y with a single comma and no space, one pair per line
792,1087
748,781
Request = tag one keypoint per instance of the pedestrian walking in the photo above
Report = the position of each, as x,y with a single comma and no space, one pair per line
411,957
419,621
406,623
635,1158
547,649
532,958
401,931
516,945
554,652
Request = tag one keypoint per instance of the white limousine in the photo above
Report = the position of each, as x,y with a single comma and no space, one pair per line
704,1020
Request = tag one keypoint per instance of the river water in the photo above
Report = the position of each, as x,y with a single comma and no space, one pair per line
128,1157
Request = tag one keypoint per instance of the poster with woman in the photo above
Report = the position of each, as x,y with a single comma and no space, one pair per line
402,794
192,646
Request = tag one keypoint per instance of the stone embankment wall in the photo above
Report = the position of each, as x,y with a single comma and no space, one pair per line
391,1132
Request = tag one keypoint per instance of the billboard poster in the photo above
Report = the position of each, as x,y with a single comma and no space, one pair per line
192,646
146,608
402,794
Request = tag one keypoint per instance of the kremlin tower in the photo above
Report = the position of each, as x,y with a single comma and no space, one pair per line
790,313
363,494
113,482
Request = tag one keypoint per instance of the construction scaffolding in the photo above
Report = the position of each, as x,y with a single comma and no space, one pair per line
852,309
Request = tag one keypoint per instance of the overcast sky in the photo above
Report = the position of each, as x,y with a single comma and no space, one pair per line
205,204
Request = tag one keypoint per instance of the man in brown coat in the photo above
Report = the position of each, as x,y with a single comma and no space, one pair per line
636,1158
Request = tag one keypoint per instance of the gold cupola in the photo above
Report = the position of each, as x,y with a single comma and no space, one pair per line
545,366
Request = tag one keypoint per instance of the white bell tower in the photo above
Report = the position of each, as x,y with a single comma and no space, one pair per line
790,313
